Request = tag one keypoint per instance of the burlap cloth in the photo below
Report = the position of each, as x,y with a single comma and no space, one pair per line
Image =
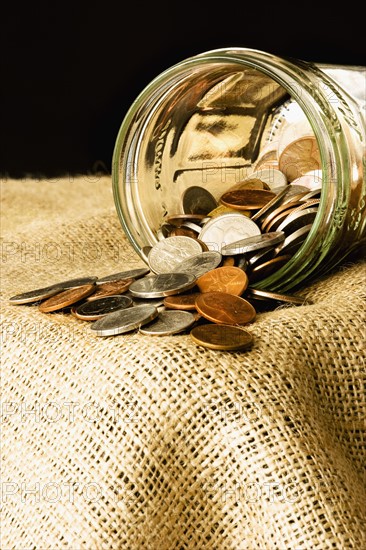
135,442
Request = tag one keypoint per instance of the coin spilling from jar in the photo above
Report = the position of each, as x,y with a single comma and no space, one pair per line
203,296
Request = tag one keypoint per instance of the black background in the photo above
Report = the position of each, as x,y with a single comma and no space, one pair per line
70,72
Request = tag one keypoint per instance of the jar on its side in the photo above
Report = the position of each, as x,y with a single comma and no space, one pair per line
204,122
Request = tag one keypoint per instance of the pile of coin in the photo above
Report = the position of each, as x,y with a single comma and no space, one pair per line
202,295
257,224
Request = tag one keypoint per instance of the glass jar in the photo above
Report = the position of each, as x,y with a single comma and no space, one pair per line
204,121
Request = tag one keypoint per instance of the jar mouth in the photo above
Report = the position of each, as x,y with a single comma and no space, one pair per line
203,121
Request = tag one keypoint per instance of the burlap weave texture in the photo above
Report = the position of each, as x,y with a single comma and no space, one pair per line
135,442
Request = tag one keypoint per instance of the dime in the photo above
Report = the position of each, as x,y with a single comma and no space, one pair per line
168,322
157,302
226,229
166,254
200,263
264,294
130,274
198,200
242,263
185,302
34,295
91,311
164,284
222,337
250,244
111,288
66,298
224,308
299,157
230,279
247,199
124,320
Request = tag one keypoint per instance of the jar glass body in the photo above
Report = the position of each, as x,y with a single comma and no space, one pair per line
204,121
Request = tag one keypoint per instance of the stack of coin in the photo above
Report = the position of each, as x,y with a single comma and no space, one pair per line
203,296
258,224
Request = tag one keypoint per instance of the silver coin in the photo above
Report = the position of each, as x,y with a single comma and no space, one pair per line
243,263
198,200
313,194
46,292
164,284
157,302
226,229
200,263
271,176
102,306
166,254
250,244
124,320
296,220
169,322
130,274
34,295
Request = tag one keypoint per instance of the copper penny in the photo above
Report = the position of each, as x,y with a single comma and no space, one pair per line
267,268
247,199
228,261
66,298
271,216
230,279
178,219
112,288
182,231
222,337
185,302
299,157
250,183
225,309
222,209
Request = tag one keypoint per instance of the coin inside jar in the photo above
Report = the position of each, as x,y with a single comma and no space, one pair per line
198,200
299,157
230,279
224,308
222,337
247,199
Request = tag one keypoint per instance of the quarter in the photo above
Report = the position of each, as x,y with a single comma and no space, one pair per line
124,320
165,284
91,311
168,322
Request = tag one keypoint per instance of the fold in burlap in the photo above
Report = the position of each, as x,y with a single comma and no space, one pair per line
135,442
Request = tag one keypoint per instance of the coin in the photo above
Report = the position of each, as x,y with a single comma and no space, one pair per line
168,322
157,302
278,213
224,308
250,244
293,242
200,263
166,254
230,279
249,183
297,219
262,256
164,284
185,302
309,180
66,298
299,157
183,231
90,311
267,268
228,260
130,274
124,320
271,176
178,219
198,200
272,204
111,288
264,294
222,209
34,295
222,337
226,229
247,199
